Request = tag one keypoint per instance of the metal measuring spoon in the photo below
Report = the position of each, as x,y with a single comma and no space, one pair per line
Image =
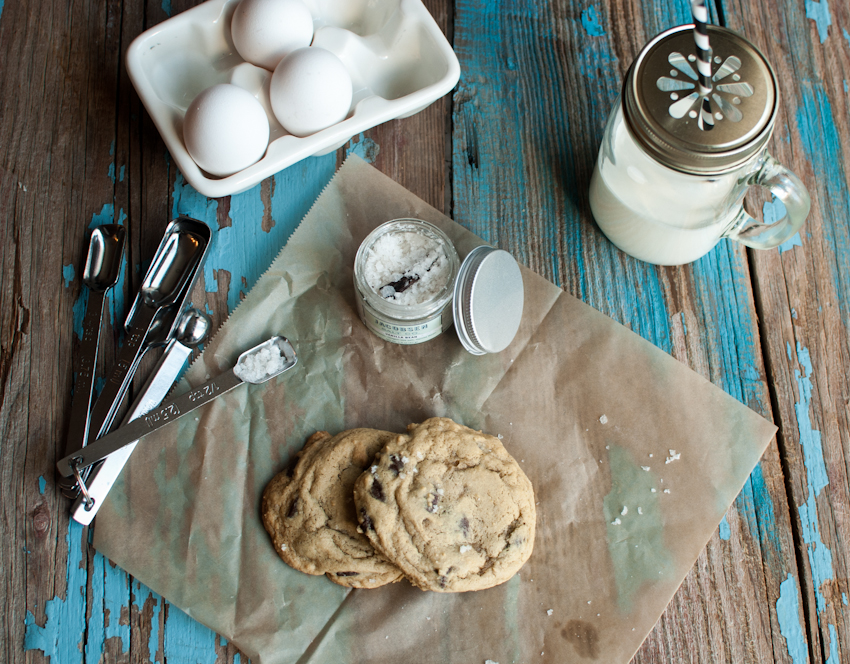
175,261
101,272
166,321
191,330
245,371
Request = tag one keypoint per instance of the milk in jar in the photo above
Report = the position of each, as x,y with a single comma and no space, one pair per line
666,190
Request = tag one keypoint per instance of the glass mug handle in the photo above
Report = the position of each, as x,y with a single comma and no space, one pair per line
785,186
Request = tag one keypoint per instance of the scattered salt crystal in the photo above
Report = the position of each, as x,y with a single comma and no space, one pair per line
640,510
440,491
645,468
500,437
616,522
283,547
406,267
374,469
624,511
674,456
420,456
652,489
465,547
549,612
490,661
588,601
404,459
666,490
402,475
650,456
603,419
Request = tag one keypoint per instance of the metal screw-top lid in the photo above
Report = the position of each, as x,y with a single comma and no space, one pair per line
488,300
661,101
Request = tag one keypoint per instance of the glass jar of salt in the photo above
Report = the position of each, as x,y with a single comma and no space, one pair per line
404,274
411,287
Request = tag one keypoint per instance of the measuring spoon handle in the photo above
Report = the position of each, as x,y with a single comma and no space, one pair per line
103,475
148,423
107,404
78,427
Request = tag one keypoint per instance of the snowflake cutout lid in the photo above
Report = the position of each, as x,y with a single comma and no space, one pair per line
661,101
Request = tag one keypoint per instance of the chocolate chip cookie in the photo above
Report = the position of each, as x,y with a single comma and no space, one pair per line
449,506
309,510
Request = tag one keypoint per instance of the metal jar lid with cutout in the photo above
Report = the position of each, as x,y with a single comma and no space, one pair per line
661,101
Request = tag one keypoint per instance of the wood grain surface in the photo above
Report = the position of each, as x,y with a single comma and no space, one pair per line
509,155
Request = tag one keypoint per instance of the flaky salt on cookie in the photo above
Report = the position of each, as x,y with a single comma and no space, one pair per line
449,506
308,510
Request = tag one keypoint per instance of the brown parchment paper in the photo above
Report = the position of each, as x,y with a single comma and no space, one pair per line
634,459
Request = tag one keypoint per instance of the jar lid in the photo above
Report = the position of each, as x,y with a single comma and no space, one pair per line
488,300
661,101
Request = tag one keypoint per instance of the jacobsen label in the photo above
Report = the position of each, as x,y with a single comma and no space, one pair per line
404,334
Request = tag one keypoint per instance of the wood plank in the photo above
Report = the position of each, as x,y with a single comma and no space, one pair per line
803,291
538,81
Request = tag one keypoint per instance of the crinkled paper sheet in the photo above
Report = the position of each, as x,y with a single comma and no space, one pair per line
634,459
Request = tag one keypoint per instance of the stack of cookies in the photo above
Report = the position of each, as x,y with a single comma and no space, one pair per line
444,506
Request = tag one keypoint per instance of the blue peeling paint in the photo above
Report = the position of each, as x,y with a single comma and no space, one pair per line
2,2
109,595
790,243
844,598
788,614
725,530
68,274
244,250
187,640
833,646
111,172
141,596
42,484
112,148
591,22
65,622
820,557
121,174
79,310
810,438
819,13
365,148
773,211
822,143
166,7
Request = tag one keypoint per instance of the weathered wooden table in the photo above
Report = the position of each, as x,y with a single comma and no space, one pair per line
509,155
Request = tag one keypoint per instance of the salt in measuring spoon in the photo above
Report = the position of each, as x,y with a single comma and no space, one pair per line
258,365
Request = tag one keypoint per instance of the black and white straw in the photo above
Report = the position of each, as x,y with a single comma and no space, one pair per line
700,14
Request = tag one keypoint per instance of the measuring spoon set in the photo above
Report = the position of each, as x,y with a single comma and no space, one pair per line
160,317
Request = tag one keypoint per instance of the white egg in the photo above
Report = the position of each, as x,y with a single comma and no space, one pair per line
225,129
310,91
266,31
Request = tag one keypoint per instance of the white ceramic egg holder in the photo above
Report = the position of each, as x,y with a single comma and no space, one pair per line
397,56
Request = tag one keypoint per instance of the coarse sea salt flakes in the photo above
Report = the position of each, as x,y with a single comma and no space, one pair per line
408,268
255,367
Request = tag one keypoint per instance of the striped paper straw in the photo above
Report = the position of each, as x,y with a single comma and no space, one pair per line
700,14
